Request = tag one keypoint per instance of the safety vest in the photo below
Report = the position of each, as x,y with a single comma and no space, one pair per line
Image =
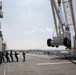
23,53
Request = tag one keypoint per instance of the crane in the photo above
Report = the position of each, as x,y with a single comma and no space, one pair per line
64,20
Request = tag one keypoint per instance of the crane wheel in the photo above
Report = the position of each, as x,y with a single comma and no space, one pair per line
67,43
57,46
52,45
49,42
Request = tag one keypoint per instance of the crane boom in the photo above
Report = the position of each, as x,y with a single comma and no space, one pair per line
56,10
69,22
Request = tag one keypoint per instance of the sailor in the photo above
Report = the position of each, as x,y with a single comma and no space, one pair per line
7,57
11,55
16,56
3,57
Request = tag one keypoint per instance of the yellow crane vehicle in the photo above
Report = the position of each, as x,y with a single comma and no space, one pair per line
63,14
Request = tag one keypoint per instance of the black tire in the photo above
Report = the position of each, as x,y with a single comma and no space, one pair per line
57,46
49,42
67,43
52,45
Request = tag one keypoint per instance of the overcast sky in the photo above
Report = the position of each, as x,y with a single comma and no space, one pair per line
27,24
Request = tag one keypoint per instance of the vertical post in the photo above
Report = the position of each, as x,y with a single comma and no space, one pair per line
1,39
74,51
74,25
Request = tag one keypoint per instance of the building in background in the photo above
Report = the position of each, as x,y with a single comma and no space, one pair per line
2,43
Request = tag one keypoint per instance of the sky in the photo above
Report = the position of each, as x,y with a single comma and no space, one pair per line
27,24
